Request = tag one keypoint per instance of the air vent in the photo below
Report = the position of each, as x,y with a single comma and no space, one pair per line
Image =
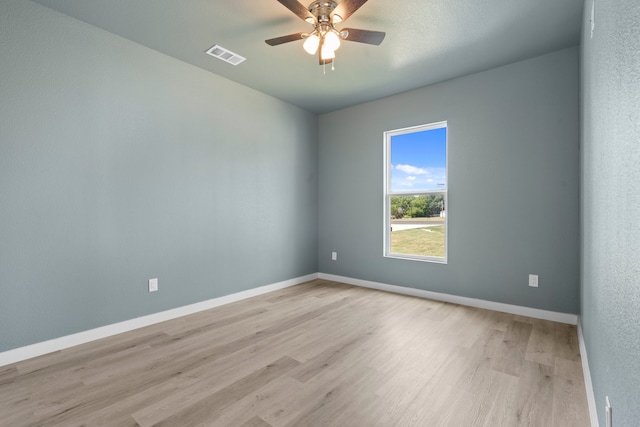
225,55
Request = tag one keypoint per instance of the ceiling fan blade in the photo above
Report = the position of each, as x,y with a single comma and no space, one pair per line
285,39
297,8
363,36
346,8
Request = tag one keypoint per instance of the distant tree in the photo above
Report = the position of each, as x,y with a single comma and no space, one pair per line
401,206
419,207
435,204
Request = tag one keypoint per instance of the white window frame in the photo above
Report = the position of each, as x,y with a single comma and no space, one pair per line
388,193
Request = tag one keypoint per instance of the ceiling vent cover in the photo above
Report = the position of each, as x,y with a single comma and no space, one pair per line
225,55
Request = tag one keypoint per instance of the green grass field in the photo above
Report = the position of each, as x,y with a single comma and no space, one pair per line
427,241
420,218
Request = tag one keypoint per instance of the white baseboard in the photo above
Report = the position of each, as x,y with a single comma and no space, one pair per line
38,349
586,373
571,319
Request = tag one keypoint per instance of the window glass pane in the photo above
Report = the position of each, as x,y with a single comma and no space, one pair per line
418,225
418,161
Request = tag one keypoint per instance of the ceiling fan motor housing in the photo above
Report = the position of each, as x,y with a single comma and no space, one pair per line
322,10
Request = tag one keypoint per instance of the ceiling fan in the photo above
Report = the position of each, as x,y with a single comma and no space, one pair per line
325,38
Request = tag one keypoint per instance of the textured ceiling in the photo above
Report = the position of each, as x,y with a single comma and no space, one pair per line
427,41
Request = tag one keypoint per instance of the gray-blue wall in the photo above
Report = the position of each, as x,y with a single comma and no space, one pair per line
513,185
610,291
119,164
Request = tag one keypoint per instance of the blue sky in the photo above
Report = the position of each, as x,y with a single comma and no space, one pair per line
418,160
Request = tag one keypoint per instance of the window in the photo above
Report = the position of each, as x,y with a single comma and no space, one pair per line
416,193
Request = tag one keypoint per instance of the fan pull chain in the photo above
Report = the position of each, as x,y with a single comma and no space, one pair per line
324,66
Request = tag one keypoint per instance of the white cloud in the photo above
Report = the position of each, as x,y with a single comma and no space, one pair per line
412,170
413,178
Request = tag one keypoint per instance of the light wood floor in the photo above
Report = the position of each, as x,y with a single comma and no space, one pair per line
317,354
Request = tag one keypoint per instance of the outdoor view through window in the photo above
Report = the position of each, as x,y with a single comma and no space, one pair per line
416,193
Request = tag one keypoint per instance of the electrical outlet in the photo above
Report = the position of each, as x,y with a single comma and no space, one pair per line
533,280
608,411
334,256
153,285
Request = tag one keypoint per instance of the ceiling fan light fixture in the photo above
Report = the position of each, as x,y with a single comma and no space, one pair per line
332,40
327,53
311,44
325,39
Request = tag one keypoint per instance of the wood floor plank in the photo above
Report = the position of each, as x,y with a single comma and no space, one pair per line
210,407
276,394
534,396
226,368
513,349
320,353
567,346
256,422
322,388
323,408
71,358
158,370
433,393
332,356
402,389
568,394
8,374
542,343
427,407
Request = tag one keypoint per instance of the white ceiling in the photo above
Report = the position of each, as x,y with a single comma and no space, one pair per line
427,41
